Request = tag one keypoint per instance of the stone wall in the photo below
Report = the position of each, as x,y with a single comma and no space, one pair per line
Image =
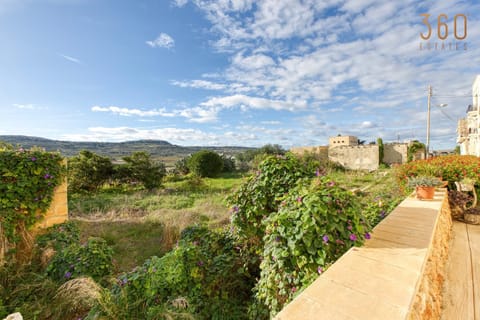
395,153
319,151
364,157
58,211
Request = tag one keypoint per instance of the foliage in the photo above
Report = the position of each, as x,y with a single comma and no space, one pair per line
424,181
381,152
205,163
59,236
316,223
260,194
140,167
246,160
181,166
88,171
27,182
228,163
413,148
205,269
93,259
449,168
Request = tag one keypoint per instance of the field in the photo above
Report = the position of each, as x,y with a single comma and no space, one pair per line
140,224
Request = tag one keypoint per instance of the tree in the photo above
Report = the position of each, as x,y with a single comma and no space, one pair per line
88,171
181,166
228,163
139,167
205,163
380,150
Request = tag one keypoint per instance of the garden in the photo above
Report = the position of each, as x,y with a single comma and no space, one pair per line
203,241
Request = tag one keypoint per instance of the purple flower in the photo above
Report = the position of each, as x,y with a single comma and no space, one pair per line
294,289
331,184
367,235
317,173
235,209
200,263
47,176
34,159
299,199
382,213
68,275
353,237
325,239
319,270
349,227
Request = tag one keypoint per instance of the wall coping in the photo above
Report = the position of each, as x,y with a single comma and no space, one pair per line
381,279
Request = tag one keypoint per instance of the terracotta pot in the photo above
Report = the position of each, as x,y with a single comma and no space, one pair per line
425,193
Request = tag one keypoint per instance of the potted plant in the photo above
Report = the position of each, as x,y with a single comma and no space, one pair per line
424,186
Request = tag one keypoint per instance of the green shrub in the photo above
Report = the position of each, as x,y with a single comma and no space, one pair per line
140,168
316,223
88,171
205,163
205,269
260,194
181,166
59,236
27,182
93,259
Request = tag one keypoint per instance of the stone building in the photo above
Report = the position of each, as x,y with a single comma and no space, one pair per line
468,128
342,141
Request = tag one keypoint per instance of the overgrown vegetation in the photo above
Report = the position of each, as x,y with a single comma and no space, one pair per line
181,252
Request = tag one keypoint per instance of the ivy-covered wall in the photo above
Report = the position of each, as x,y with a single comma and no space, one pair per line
58,210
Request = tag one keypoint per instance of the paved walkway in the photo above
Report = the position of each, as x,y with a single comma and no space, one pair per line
462,284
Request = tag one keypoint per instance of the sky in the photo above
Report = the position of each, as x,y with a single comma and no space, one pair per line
236,72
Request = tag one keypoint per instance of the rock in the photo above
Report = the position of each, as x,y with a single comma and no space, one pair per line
14,316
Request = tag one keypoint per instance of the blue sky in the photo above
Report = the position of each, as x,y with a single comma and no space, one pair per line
234,72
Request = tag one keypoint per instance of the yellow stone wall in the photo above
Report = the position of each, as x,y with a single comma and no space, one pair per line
58,211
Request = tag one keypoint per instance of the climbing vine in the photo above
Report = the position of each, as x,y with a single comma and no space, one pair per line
27,182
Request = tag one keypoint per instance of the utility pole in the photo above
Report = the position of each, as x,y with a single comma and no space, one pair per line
427,147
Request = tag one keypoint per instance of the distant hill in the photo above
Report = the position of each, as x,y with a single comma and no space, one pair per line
116,150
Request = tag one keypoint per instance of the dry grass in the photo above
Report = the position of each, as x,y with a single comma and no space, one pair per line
75,298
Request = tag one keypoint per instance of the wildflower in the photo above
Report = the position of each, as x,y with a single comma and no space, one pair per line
367,235
382,213
317,173
294,289
331,184
200,263
34,159
47,176
349,227
325,239
299,199
320,270
235,209
353,237
68,275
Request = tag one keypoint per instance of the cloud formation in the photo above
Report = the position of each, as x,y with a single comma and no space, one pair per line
162,41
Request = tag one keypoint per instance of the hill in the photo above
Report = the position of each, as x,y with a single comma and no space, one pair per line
116,150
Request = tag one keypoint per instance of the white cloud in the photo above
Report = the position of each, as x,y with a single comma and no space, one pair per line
134,112
199,84
70,58
248,102
181,136
162,41
179,3
25,106
200,115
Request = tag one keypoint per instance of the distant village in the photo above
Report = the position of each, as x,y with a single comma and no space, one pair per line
352,154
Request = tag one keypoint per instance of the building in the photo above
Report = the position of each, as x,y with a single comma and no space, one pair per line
342,141
468,128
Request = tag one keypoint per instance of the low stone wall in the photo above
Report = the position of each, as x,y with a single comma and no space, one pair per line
397,274
58,211
427,303
364,157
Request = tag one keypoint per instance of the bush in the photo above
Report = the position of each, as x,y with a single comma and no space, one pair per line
59,236
93,259
205,163
88,171
27,182
140,168
205,269
181,166
450,168
316,223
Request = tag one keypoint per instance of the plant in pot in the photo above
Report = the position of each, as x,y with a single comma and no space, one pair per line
424,186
